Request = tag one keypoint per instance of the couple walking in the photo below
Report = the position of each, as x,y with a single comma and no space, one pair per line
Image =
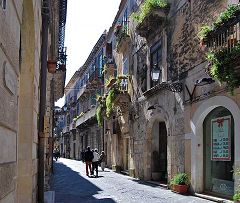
92,159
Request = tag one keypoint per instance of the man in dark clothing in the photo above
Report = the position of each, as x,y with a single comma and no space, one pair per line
88,160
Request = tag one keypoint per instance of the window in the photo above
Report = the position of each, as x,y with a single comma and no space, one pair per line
156,59
125,72
3,4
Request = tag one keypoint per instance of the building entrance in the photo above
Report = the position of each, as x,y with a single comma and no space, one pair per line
218,153
159,152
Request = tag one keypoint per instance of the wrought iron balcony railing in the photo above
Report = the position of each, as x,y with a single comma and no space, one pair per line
225,38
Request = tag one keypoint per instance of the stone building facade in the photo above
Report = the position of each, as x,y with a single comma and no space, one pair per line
81,128
88,132
20,69
166,126
170,124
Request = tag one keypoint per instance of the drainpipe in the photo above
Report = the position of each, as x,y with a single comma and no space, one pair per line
42,105
53,121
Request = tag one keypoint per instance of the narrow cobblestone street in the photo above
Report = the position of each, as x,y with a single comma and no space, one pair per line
71,185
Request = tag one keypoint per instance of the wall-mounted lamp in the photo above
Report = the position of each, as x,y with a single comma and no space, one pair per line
201,82
155,73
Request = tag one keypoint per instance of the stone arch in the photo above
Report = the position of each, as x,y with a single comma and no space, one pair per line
159,115
197,135
28,107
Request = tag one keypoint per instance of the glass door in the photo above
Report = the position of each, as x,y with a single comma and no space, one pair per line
219,152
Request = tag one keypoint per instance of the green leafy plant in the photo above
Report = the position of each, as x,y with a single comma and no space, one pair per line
180,179
222,66
110,99
75,119
227,15
109,102
99,115
119,77
204,31
109,80
147,7
81,114
236,196
98,97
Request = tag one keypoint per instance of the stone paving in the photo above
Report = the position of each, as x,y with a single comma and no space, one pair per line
71,185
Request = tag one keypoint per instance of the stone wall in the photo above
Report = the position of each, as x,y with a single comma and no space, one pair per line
9,74
19,83
185,21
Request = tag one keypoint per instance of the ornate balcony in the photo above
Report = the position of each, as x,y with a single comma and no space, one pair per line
86,116
223,44
155,19
93,83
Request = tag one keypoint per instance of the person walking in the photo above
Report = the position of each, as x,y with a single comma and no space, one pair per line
83,156
102,160
95,162
88,159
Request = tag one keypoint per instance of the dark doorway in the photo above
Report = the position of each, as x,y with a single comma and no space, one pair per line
74,150
159,152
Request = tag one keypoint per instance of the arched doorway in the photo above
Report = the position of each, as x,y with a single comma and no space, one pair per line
218,152
197,141
159,152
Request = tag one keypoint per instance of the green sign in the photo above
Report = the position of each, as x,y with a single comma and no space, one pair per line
221,138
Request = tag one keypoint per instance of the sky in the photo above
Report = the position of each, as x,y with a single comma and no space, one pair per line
86,21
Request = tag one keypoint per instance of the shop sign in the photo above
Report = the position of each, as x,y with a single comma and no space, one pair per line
221,139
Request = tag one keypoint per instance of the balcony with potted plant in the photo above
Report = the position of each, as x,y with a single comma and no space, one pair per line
122,36
109,69
222,41
94,81
118,98
152,14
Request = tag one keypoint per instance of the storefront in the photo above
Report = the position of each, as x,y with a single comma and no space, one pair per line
215,126
218,153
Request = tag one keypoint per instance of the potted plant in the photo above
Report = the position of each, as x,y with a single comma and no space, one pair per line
180,183
118,29
236,197
224,66
62,67
51,65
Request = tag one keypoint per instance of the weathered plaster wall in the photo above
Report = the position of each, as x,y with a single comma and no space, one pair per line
9,73
19,80
185,21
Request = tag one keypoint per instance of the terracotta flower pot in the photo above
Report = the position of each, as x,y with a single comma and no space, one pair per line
51,65
182,189
62,67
